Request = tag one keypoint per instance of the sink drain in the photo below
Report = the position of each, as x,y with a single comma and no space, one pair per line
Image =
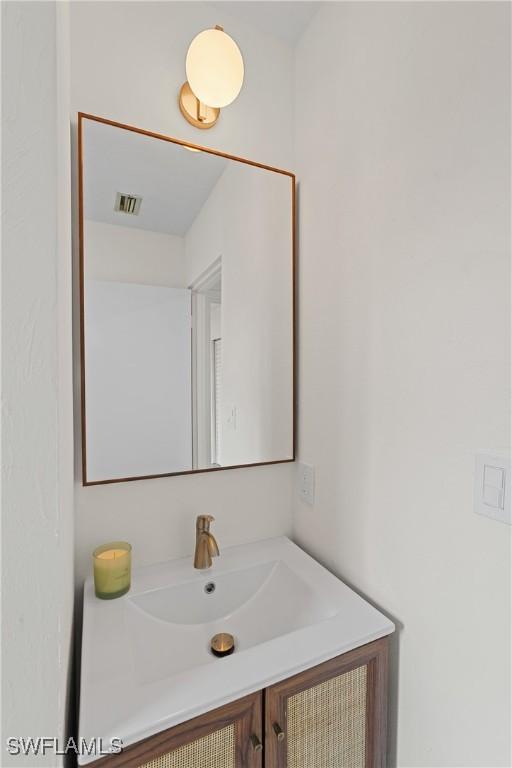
222,644
209,588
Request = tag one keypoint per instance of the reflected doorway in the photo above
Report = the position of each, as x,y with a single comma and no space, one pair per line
207,368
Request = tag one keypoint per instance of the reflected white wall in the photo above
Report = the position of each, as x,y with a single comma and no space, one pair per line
247,222
114,252
137,379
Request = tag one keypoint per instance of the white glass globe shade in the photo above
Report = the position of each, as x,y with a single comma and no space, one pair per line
215,68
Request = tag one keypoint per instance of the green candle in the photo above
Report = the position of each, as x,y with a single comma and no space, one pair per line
112,569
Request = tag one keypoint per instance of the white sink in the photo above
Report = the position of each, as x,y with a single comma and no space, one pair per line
196,603
268,594
146,660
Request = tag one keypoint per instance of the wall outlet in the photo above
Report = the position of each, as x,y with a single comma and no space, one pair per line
306,483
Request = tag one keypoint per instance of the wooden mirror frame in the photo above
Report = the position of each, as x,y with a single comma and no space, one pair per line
84,116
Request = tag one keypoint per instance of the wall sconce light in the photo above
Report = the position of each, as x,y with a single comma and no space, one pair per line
215,74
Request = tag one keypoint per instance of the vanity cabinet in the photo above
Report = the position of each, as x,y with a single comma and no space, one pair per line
330,716
228,737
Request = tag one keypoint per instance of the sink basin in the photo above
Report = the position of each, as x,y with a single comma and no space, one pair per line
270,593
254,604
146,659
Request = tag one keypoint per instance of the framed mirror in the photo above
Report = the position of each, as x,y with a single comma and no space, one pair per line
187,276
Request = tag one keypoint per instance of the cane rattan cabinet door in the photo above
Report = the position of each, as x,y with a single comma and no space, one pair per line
228,737
331,716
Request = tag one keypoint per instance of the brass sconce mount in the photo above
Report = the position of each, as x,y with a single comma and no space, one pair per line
194,111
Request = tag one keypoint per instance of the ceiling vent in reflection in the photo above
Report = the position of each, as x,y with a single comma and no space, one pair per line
127,203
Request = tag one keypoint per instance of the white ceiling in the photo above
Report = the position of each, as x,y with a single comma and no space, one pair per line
174,183
285,20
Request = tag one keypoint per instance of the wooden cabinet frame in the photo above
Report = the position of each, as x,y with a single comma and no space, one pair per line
244,713
375,657
267,709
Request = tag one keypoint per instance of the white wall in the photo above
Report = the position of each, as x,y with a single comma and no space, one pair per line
404,168
37,466
131,255
133,74
247,222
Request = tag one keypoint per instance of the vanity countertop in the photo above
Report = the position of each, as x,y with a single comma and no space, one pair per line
146,660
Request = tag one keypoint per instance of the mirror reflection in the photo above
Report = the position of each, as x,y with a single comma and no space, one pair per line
187,279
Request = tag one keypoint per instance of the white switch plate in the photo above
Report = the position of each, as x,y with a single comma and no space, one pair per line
306,482
492,487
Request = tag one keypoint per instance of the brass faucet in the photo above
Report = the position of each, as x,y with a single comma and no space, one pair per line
206,546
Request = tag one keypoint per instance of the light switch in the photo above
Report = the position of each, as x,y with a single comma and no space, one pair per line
493,497
493,476
492,487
